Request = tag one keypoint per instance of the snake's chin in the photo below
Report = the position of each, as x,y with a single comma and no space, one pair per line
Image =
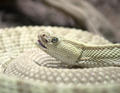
41,44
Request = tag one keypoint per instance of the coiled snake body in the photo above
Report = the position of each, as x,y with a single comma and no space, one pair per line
26,68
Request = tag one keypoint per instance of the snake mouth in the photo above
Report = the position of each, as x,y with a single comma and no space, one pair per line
40,43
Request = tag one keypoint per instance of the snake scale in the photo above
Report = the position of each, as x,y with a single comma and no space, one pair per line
25,68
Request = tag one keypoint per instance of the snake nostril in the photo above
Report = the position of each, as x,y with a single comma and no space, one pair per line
43,35
46,40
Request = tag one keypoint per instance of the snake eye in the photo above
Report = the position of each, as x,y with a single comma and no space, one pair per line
54,39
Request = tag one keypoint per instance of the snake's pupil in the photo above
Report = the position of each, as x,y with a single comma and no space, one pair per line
54,40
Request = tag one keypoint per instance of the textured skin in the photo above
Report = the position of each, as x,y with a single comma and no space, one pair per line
71,52
24,69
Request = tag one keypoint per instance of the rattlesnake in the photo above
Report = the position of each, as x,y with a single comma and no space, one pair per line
22,65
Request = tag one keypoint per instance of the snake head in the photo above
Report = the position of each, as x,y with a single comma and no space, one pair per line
46,40
58,47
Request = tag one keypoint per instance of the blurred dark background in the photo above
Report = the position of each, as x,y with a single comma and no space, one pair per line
35,12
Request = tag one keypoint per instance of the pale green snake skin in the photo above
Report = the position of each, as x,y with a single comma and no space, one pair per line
20,73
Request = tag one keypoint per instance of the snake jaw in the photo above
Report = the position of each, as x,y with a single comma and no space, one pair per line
41,44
